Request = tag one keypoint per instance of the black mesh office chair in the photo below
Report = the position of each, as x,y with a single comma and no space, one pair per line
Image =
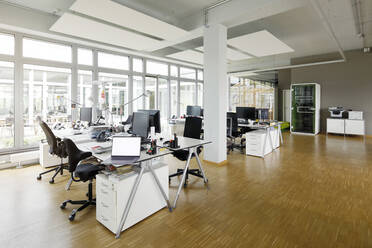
233,132
193,126
56,147
84,172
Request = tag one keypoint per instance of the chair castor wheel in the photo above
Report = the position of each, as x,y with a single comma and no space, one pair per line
38,177
63,205
51,181
72,215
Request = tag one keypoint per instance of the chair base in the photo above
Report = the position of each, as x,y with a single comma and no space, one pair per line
194,172
84,203
58,169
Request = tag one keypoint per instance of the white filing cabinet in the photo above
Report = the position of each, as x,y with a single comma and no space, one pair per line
335,125
355,127
254,144
346,126
112,194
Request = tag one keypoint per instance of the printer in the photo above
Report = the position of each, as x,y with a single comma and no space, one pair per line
336,112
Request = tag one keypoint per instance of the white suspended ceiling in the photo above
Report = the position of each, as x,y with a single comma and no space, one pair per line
189,56
89,29
121,15
231,54
259,44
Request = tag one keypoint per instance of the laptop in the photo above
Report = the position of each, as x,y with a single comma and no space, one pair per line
125,150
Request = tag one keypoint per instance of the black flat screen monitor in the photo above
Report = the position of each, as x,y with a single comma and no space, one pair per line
246,113
193,110
140,124
86,114
154,118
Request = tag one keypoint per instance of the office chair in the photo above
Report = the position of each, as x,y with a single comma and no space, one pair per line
235,133
128,121
56,147
85,172
193,126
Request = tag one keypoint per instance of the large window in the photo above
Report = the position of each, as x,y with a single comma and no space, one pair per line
163,97
85,56
150,86
200,94
187,73
6,105
85,88
47,92
46,50
56,77
118,62
156,68
113,95
138,93
249,93
7,44
174,98
187,95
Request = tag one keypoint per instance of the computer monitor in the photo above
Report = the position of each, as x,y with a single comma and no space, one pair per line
140,124
246,113
86,114
193,110
202,112
154,118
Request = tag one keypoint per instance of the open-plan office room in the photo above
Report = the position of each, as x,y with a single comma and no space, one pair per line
169,123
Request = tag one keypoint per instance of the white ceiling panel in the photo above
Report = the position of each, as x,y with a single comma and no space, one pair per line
261,43
232,54
121,15
189,56
85,28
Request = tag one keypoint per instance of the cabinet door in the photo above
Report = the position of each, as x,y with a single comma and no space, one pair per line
335,126
355,127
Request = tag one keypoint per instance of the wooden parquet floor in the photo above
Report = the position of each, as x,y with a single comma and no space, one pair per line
311,192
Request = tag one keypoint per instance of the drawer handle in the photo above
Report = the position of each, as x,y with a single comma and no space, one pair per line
104,192
104,205
104,185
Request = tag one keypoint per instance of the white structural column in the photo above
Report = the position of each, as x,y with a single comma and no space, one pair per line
215,92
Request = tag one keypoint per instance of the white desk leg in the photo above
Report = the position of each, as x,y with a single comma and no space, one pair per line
182,179
130,201
200,166
280,133
160,187
67,187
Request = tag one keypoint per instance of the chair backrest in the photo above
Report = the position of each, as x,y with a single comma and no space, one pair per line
51,138
193,127
229,126
73,153
234,121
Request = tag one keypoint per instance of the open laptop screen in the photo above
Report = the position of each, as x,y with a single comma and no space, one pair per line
126,146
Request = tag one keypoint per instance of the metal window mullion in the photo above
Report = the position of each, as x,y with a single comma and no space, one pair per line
18,93
74,84
144,83
178,92
169,94
130,87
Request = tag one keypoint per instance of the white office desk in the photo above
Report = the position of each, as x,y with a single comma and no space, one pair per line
144,164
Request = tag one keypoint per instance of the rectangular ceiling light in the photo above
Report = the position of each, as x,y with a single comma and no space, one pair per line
259,44
189,56
85,28
231,54
121,15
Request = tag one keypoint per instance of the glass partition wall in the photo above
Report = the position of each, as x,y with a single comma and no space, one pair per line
48,78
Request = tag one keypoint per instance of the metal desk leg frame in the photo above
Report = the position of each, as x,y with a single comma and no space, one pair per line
182,179
191,152
133,194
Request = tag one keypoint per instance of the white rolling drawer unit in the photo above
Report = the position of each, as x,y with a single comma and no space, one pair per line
112,194
254,144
